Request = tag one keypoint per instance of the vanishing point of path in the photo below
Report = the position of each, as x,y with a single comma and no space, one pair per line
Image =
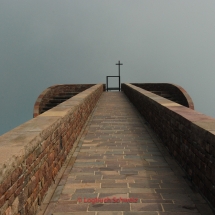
121,168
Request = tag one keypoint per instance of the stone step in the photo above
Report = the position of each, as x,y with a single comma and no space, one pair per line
57,101
68,94
167,95
51,105
62,97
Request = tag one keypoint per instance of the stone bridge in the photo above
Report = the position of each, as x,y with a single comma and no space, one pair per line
144,150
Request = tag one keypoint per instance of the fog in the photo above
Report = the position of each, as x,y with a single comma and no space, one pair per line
47,42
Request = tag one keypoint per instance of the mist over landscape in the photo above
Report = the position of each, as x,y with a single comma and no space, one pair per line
48,42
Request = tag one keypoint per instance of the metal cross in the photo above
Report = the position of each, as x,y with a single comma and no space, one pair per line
119,66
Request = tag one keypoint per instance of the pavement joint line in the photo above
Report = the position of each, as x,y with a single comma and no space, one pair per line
55,183
158,142
156,191
162,208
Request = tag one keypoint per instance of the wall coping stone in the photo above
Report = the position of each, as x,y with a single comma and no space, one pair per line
16,144
189,136
169,87
198,118
54,90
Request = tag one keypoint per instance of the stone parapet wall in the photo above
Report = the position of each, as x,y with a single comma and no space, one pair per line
188,135
55,90
175,90
32,154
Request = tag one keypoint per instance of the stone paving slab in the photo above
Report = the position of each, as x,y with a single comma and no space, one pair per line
121,168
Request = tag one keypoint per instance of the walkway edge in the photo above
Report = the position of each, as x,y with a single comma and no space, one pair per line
71,157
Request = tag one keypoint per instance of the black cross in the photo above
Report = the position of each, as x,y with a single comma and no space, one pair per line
119,66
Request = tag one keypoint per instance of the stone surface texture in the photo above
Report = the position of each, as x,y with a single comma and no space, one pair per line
32,154
55,90
188,135
120,167
174,90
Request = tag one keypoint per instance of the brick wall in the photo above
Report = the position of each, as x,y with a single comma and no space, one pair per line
188,135
172,89
55,90
32,154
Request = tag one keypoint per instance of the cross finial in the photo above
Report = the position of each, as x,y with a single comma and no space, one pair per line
119,64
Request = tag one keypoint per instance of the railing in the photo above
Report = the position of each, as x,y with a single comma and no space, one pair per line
114,88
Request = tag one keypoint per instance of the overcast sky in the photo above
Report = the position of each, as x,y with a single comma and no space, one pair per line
46,42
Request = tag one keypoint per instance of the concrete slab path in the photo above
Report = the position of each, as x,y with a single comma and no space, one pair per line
121,168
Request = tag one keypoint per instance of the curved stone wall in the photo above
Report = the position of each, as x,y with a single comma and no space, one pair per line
188,135
57,90
32,154
170,91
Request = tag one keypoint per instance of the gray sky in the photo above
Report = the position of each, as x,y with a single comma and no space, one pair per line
46,42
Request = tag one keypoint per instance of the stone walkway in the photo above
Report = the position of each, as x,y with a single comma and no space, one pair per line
121,168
